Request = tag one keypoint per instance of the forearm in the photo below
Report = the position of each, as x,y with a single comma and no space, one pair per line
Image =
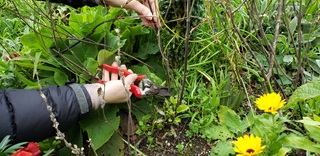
24,113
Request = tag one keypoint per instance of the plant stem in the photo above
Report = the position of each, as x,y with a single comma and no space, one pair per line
186,52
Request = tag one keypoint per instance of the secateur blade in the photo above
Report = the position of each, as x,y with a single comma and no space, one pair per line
151,89
163,93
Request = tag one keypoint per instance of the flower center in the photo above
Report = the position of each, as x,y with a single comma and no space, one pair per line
250,151
270,108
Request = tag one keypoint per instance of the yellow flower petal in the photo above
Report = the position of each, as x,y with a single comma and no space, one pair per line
270,102
248,145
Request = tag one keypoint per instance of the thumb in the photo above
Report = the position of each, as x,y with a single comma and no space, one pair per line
140,9
130,79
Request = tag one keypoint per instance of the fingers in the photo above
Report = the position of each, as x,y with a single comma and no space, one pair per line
140,9
114,76
154,7
105,75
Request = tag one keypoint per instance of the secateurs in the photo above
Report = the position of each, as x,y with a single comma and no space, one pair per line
144,88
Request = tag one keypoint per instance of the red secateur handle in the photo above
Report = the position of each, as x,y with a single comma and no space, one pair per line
133,88
115,70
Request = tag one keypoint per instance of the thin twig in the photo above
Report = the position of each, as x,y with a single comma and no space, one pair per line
186,52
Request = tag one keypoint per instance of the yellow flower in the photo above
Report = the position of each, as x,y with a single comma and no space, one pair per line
248,146
270,102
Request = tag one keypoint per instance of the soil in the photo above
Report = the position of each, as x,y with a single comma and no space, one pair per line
165,144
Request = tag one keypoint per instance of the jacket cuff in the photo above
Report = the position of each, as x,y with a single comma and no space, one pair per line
84,104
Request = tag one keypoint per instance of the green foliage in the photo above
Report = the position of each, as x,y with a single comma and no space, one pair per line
100,127
235,54
304,92
6,148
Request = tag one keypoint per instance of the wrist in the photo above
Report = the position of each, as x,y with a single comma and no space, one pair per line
96,93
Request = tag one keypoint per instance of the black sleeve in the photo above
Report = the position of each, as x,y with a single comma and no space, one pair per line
75,3
24,116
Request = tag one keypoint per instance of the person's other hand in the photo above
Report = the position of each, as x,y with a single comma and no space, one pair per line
141,7
114,90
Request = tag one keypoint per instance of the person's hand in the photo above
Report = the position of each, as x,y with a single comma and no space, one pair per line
141,7
112,91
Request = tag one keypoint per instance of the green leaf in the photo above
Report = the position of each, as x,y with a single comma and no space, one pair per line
293,24
264,6
83,51
287,59
223,148
231,119
91,65
60,78
313,127
105,56
100,130
220,132
36,60
182,108
147,49
114,147
307,91
283,151
4,143
300,143
25,80
316,117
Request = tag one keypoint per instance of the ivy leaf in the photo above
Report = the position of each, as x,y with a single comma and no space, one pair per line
307,91
99,129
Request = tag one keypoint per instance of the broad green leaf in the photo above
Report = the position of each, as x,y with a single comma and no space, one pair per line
283,151
114,146
231,119
293,24
307,91
145,70
309,121
220,132
147,49
313,127
100,130
182,108
82,51
300,143
29,41
60,78
105,56
223,148
91,65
